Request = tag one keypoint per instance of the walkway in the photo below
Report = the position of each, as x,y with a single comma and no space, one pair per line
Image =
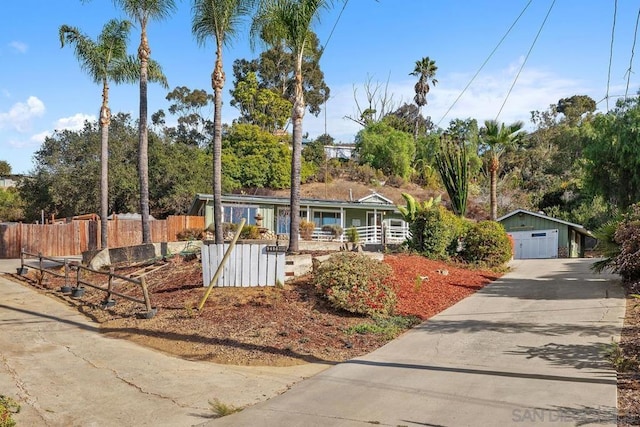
527,349
64,372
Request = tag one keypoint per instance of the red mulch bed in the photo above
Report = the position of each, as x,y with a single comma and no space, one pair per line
425,287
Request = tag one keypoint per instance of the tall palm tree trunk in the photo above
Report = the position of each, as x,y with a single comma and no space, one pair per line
143,141
296,159
217,83
493,172
105,121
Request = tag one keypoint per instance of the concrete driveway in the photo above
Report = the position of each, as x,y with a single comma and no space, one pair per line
527,349
65,373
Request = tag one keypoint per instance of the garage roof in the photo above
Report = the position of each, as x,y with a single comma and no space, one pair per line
579,228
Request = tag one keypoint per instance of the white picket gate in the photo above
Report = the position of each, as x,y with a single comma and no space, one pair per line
248,265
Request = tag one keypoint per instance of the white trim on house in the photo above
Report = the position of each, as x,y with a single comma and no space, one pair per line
376,198
579,228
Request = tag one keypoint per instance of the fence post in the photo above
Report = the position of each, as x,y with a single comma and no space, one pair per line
222,263
145,292
66,272
110,285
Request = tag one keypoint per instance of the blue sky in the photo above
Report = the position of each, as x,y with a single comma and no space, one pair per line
43,89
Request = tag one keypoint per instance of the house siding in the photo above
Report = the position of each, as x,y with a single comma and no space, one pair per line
347,212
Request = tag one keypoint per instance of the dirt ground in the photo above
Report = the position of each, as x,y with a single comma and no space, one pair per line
281,326
629,381
262,326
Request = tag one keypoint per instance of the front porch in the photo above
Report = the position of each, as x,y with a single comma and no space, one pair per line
377,235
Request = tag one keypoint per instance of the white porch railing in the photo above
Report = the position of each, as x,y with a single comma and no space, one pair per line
370,234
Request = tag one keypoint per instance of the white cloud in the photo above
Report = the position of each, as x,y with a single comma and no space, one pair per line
20,114
75,122
534,90
40,137
19,47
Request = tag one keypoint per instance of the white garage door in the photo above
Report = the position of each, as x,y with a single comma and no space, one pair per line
535,244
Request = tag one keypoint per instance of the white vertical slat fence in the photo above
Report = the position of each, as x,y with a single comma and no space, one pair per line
248,265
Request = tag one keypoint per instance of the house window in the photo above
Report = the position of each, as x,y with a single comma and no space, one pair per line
234,213
283,221
394,222
322,218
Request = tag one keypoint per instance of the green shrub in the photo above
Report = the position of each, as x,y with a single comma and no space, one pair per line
487,243
190,234
334,229
356,283
250,232
8,407
306,229
352,235
435,232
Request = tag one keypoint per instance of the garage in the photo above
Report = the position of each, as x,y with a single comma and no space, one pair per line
537,235
535,244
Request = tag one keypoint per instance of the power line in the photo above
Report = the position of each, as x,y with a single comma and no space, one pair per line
484,63
526,58
344,6
613,31
633,48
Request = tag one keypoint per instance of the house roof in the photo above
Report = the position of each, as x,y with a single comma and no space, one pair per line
375,198
579,228
373,201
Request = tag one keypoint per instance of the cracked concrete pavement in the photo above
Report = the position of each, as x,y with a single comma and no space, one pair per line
527,349
63,372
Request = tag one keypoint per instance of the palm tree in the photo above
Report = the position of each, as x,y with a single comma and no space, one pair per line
104,60
425,70
289,22
495,138
218,19
142,11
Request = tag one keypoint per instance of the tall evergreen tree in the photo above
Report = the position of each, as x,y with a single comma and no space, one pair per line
219,20
425,70
105,60
495,138
289,22
143,11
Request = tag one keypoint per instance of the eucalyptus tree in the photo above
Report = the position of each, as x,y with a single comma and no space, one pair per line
105,60
219,20
289,22
143,11
425,69
495,138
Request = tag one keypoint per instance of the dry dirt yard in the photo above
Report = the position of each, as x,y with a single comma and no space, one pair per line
275,326
281,326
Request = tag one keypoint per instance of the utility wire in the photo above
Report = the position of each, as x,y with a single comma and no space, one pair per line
526,58
484,63
633,48
613,31
344,6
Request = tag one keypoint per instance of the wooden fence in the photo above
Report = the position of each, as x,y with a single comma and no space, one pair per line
77,236
248,265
